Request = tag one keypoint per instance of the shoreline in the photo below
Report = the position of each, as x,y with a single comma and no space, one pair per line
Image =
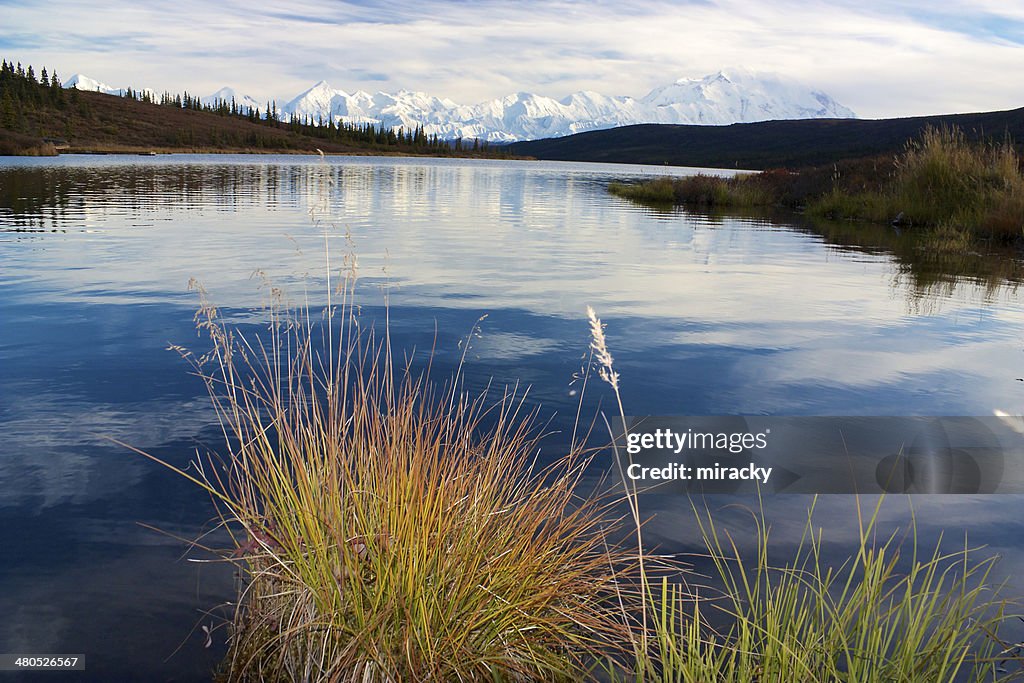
160,151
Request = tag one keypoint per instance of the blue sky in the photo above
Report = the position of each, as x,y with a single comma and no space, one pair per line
891,58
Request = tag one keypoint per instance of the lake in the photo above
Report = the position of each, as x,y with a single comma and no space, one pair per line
706,314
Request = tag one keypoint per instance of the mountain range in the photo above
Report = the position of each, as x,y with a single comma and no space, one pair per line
726,97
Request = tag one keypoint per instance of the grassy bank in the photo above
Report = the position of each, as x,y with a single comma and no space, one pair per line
701,190
955,189
14,144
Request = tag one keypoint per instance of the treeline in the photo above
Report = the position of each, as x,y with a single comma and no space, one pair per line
38,106
22,93
329,129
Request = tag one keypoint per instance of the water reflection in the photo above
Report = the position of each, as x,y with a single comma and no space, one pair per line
924,275
707,314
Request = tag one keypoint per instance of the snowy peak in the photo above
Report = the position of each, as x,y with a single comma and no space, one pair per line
227,94
740,96
319,101
83,82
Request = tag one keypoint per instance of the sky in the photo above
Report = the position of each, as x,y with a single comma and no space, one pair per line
881,59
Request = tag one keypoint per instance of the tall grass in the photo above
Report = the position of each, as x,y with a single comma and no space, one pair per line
877,616
943,181
942,177
389,530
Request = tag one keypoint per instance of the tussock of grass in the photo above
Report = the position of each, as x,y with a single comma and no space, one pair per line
944,183
390,532
942,180
941,177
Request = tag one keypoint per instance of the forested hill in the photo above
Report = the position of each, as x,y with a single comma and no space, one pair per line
38,116
769,144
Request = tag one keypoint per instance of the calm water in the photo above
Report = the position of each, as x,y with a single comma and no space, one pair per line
705,314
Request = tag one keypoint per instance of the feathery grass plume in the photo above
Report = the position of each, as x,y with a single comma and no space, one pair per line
388,530
606,371
604,359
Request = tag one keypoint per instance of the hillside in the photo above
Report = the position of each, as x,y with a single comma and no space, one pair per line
38,118
770,144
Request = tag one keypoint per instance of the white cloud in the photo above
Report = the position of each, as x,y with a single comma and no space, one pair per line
892,58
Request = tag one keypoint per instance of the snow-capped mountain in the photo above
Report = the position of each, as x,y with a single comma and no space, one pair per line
83,82
227,94
404,108
740,96
733,96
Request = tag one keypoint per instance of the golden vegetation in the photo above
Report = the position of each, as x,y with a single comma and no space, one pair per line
390,532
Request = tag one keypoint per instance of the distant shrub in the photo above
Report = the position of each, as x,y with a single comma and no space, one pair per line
699,190
657,191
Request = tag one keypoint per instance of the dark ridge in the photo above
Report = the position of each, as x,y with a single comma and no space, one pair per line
768,144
